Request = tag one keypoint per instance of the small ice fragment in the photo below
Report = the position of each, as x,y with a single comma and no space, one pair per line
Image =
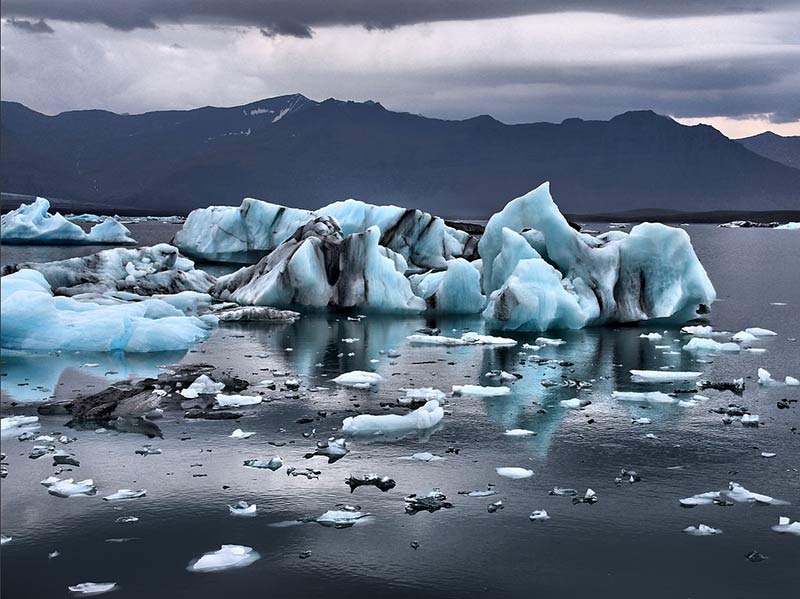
702,344
562,492
334,449
228,556
651,336
479,391
791,381
202,385
702,499
5,539
242,508
465,339
641,421
358,379
768,454
235,401
589,497
125,494
646,396
738,493
240,434
274,463
433,501
702,531
518,432
384,483
93,588
662,376
514,472
539,515
700,331
542,341
784,525
422,395
687,403
68,488
126,519
744,337
423,456
344,518
759,332
422,418
479,493
765,378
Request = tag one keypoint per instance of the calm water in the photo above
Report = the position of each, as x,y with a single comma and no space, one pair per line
629,544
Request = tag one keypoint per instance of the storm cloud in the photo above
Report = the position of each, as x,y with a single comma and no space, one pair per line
517,61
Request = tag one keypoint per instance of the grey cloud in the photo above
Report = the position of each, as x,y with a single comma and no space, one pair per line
297,18
39,26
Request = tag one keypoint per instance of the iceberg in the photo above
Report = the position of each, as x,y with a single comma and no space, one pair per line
785,525
651,273
159,269
704,344
33,224
68,488
202,385
225,558
422,418
35,320
246,233
455,290
317,267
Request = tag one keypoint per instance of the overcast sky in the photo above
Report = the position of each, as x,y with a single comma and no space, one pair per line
735,66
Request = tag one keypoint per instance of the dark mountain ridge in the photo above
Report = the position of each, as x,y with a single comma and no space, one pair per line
299,152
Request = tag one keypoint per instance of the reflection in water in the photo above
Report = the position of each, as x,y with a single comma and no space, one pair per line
37,377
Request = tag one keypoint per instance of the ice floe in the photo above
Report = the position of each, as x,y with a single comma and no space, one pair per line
702,530
225,558
93,588
359,379
465,339
123,494
240,434
703,344
68,488
345,517
480,391
785,525
539,516
655,397
662,376
236,401
422,418
518,432
514,472
243,509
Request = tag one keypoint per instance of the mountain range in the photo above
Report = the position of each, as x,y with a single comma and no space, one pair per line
299,152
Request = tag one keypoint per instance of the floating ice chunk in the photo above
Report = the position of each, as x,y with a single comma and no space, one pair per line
344,518
701,499
422,418
334,449
432,502
5,539
791,381
759,332
465,339
784,525
744,337
36,320
423,456
227,557
240,434
738,493
768,454
236,401
641,421
646,396
93,588
652,336
12,426
243,508
274,463
202,385
124,494
662,376
384,483
422,394
698,330
514,472
539,516
33,224
518,432
562,492
765,378
792,226
68,488
574,403
358,379
480,391
749,419
702,531
687,403
589,497
545,341
703,344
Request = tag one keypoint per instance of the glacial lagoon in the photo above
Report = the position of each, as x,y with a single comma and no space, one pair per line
628,544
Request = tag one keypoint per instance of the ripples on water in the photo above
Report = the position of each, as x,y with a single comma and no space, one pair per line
629,544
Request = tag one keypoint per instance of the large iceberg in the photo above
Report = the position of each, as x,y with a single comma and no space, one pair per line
651,273
33,224
247,233
34,320
141,271
318,267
